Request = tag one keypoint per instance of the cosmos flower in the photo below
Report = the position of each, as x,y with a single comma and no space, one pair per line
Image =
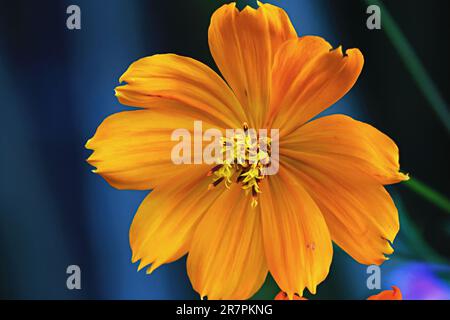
235,223
283,296
394,294
420,280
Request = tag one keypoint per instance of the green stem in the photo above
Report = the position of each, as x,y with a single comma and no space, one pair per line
429,194
414,237
413,64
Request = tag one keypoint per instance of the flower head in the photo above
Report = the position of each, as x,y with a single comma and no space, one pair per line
283,296
235,222
394,294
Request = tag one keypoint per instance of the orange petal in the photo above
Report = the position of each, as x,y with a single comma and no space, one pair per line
339,139
308,77
283,296
296,239
243,44
182,79
226,258
132,149
359,212
162,229
394,294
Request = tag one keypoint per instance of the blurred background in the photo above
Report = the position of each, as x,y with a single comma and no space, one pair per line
56,86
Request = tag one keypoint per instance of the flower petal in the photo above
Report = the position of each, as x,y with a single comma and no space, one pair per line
162,229
283,296
132,149
296,239
308,77
360,214
339,139
243,44
394,294
182,79
226,259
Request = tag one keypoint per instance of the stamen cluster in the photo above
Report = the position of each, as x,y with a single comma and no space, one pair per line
245,156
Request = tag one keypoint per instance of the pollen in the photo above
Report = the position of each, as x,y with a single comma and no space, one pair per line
244,155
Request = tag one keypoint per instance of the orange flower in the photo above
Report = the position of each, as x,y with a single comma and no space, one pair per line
330,184
283,296
394,294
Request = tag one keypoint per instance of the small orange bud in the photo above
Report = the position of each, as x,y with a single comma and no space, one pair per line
283,296
394,294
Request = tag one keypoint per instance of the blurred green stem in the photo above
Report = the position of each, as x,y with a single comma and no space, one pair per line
414,237
413,64
429,194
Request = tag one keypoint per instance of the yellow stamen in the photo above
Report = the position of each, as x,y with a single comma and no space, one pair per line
246,156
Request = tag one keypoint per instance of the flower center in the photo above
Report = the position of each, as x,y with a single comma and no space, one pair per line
245,154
